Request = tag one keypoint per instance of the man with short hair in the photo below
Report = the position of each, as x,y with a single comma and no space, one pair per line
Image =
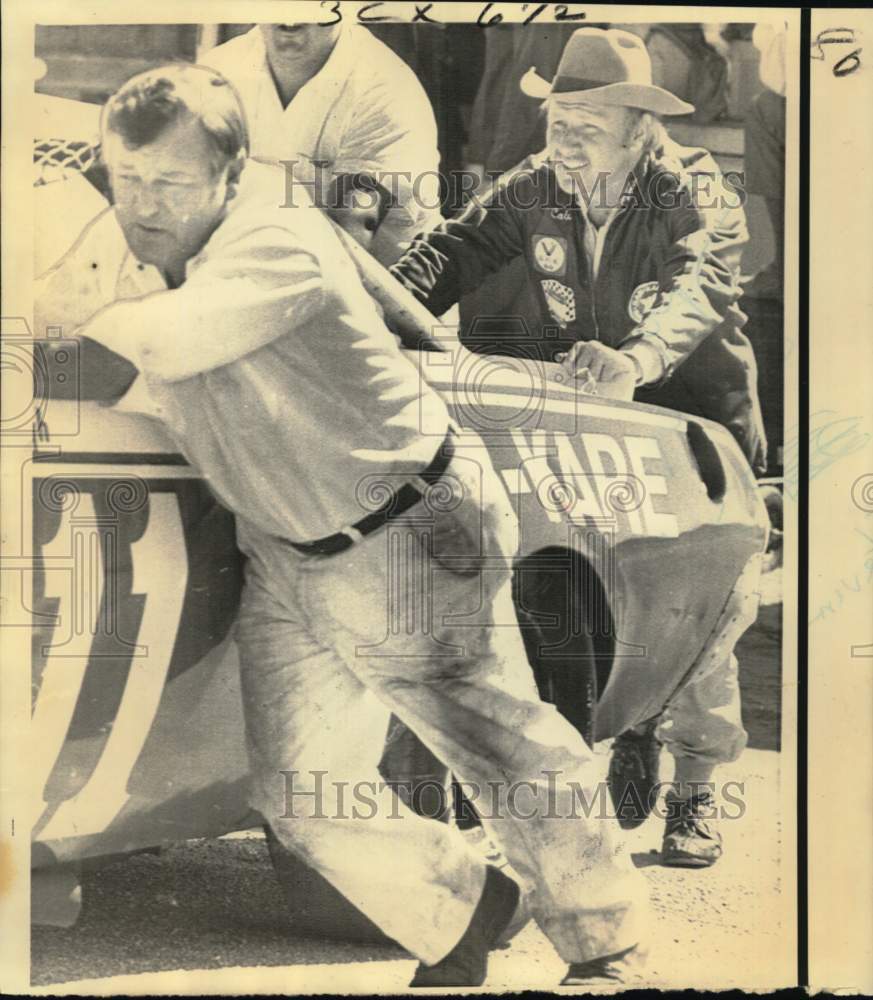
267,361
354,129
632,244
350,115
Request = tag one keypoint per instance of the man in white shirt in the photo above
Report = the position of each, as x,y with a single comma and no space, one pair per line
355,130
346,111
267,361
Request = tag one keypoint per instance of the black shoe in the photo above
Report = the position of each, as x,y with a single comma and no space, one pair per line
599,971
691,839
467,963
634,766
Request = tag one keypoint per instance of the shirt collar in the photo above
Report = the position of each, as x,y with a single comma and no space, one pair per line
337,67
634,189
136,278
613,212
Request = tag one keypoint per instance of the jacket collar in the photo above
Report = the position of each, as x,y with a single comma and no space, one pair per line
637,183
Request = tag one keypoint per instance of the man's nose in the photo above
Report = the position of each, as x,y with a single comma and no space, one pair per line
147,203
564,139
569,152
573,147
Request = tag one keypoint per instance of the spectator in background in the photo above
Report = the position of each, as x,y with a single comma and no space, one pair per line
691,61
351,115
448,61
636,283
765,154
678,283
506,126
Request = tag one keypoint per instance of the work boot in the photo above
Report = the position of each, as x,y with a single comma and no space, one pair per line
611,969
691,839
634,766
467,963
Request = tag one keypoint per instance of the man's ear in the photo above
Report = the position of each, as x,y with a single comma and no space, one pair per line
641,130
234,172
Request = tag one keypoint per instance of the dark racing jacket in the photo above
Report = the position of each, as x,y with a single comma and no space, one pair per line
668,274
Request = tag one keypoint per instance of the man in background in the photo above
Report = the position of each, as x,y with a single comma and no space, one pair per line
632,245
350,115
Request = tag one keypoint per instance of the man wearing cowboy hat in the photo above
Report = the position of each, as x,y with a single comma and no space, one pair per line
632,244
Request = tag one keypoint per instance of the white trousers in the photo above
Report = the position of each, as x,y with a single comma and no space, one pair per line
417,619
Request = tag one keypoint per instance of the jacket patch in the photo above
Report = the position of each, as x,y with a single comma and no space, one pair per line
561,301
550,253
642,299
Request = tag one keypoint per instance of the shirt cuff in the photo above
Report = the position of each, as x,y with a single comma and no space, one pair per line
105,327
649,357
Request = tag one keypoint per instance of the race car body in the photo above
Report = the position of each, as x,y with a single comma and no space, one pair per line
645,518
640,533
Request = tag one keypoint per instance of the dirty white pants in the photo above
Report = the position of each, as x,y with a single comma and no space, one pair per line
417,619
702,724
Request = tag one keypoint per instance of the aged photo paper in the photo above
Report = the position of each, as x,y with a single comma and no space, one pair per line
412,419
840,510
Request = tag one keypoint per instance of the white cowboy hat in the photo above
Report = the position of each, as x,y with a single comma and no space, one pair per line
606,67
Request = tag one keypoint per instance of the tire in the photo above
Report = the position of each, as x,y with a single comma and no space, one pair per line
557,599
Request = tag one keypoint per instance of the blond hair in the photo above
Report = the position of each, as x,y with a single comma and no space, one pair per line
647,123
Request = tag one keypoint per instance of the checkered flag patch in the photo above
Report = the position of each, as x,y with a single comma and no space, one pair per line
561,301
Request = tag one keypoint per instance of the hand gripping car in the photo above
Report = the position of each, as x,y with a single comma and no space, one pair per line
641,534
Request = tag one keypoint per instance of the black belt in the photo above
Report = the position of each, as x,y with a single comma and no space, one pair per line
401,500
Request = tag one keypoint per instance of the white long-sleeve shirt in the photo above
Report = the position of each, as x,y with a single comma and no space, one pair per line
363,112
269,365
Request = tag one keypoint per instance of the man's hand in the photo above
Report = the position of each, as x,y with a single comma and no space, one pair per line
358,203
604,364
